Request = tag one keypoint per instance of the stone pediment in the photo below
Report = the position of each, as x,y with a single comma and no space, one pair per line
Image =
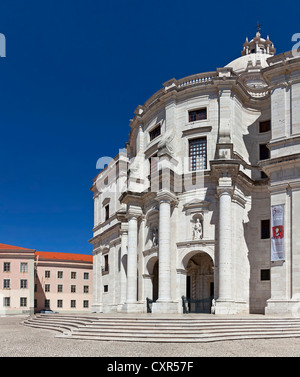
196,205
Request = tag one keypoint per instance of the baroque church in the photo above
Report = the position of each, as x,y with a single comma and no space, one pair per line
200,211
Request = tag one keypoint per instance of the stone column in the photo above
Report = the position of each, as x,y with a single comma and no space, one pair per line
132,305
164,302
225,170
123,264
164,289
131,296
225,244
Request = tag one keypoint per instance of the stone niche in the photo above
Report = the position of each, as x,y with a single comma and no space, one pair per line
195,210
152,224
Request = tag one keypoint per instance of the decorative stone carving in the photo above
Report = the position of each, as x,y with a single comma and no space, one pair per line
165,144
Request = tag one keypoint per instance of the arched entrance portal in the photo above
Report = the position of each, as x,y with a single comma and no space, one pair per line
199,283
151,282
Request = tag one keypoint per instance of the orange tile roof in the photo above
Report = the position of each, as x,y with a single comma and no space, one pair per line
64,256
3,246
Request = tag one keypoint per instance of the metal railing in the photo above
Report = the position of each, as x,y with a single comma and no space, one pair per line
202,305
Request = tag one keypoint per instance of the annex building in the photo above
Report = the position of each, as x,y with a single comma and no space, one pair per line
31,281
202,207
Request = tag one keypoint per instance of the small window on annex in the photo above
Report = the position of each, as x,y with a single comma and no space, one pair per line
199,114
23,267
155,132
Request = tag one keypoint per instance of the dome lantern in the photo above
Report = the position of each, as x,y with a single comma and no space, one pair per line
258,45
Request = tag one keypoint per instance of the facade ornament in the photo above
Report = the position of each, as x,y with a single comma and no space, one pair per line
135,165
165,144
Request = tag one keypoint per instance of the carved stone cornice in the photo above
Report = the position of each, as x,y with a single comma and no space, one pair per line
196,205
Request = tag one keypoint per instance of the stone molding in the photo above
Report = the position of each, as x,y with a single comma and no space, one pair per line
166,196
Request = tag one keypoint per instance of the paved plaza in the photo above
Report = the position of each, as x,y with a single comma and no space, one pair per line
18,340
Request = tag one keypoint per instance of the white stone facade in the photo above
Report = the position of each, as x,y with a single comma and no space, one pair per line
193,221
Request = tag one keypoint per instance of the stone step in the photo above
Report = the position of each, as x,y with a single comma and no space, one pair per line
158,322
190,339
163,330
187,330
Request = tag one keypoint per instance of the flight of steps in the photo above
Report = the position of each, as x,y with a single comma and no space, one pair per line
151,328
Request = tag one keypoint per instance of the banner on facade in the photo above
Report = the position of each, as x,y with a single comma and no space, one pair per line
277,233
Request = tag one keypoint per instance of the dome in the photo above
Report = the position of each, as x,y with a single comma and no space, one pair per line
245,62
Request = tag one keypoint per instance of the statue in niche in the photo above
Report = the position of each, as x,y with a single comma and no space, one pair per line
154,237
197,230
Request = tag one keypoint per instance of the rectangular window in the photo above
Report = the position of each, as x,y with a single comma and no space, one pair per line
47,287
264,275
73,275
23,301
6,267
60,274
59,288
23,283
199,114
107,212
264,152
23,267
59,303
105,268
85,289
47,304
73,303
6,283
197,154
86,276
85,303
6,301
105,288
265,126
35,303
265,229
47,274
155,132
73,288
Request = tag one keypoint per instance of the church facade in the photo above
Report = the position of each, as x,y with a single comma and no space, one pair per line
199,211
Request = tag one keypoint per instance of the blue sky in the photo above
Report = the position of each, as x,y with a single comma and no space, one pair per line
74,73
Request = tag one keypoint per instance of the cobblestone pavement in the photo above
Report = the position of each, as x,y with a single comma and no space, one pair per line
18,340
